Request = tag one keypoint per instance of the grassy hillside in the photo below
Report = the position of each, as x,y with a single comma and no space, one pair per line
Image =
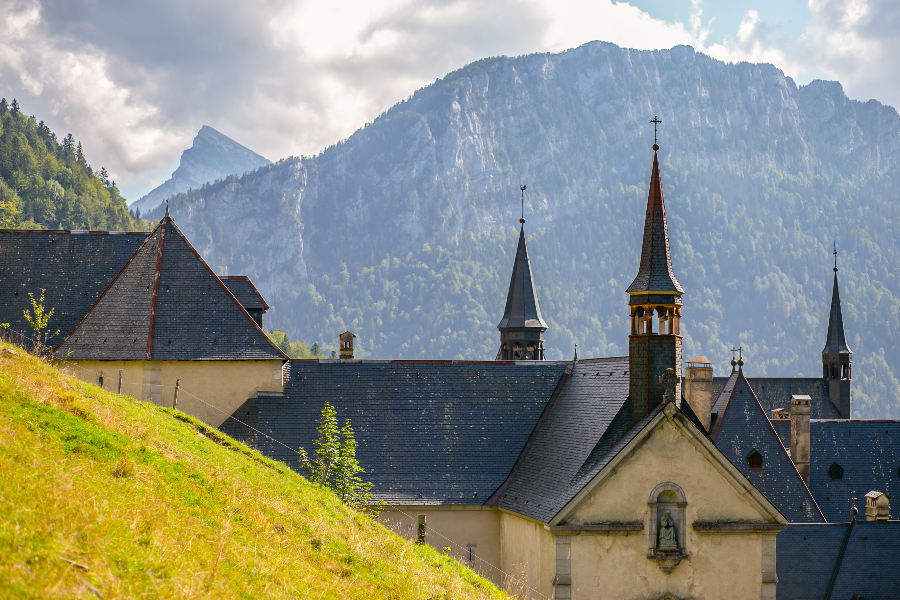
105,496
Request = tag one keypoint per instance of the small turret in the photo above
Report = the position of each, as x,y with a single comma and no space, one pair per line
837,358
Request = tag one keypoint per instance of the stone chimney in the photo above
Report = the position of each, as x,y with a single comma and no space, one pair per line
346,344
800,435
698,388
878,507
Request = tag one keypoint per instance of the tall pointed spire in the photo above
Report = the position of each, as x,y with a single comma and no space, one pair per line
522,326
655,272
837,358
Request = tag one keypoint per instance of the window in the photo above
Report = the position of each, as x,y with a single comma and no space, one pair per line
836,471
470,548
755,460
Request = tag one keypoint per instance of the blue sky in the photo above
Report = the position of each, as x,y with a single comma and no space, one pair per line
135,81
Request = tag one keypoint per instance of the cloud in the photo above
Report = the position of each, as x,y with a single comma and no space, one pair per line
135,81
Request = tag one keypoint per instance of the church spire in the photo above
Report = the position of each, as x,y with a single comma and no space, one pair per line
654,345
837,358
522,326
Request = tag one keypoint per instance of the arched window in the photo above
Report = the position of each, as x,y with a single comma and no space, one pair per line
662,314
667,509
638,320
836,471
755,460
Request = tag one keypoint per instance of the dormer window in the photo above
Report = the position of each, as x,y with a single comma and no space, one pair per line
755,460
836,471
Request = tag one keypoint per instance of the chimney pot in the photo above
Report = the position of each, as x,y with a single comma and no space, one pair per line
698,388
878,507
800,435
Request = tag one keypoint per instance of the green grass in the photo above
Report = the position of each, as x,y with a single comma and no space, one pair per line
105,496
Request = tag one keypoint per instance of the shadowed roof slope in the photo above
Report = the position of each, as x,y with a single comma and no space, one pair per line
522,308
743,427
429,432
74,267
655,273
167,304
583,426
806,556
835,342
246,293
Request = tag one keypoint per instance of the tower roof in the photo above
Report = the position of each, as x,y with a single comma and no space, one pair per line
522,308
655,273
836,342
167,304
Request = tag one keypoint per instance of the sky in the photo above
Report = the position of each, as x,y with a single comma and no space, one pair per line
135,81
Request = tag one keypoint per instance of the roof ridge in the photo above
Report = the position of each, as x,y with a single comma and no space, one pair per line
154,297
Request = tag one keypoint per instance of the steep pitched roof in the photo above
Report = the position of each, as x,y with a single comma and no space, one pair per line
867,451
522,307
588,415
74,267
743,427
429,432
655,272
776,392
246,293
835,341
807,554
167,304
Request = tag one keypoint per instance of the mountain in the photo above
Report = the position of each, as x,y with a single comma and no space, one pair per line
212,156
405,233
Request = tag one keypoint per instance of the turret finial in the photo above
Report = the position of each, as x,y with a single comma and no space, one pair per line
522,189
835,256
656,121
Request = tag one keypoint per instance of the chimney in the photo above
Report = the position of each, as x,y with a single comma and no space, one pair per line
878,507
698,388
800,435
780,413
346,344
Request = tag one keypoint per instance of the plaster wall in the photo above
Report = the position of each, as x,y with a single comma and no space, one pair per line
225,385
527,554
718,565
463,525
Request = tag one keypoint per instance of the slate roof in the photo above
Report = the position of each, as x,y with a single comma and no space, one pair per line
74,267
806,556
167,304
776,392
835,341
246,293
868,452
655,272
522,307
741,427
587,420
429,432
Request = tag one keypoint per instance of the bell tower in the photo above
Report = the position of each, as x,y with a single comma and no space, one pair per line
522,326
655,306
837,358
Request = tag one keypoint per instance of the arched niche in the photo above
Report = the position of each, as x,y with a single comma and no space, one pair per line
667,497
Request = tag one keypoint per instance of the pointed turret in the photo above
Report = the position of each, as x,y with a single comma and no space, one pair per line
837,358
522,326
654,344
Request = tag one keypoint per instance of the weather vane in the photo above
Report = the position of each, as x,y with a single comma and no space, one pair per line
656,121
835,256
522,189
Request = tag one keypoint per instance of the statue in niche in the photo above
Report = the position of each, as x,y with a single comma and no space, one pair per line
666,539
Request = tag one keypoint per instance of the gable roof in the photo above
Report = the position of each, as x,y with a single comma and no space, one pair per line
776,392
742,427
867,451
167,304
655,273
74,267
589,416
835,341
246,293
807,555
428,432
522,307
630,442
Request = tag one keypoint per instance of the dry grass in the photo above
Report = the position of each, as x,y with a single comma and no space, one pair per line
105,496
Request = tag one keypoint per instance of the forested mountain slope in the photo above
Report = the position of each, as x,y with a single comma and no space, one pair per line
405,232
46,184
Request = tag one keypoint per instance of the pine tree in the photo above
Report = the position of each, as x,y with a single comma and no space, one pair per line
15,107
79,156
4,106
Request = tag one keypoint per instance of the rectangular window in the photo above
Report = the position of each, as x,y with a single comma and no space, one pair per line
471,551
420,539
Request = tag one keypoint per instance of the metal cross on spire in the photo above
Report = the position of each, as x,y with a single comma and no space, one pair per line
738,350
522,189
835,256
656,121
